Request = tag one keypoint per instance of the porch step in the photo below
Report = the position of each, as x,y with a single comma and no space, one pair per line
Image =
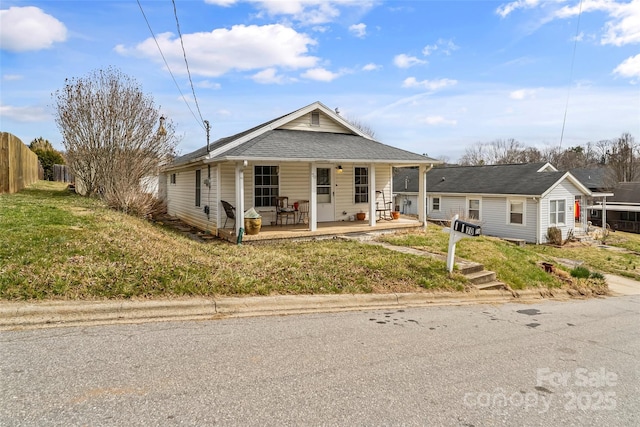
481,277
469,267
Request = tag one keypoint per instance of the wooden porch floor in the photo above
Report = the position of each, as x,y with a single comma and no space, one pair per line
326,230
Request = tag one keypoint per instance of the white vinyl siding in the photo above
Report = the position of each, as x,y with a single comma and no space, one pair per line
327,124
563,191
180,199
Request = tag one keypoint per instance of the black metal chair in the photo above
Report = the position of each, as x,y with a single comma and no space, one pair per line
229,211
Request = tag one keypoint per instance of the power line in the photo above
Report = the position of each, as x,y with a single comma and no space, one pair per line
573,60
169,68
186,63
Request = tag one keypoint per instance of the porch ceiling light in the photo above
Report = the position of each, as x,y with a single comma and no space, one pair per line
339,168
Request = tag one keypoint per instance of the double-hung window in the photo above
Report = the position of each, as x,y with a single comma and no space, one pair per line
557,212
361,180
516,212
435,204
473,209
265,185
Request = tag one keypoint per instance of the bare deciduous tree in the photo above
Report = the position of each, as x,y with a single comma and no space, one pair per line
623,159
111,135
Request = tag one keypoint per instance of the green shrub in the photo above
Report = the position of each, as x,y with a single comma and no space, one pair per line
597,275
580,272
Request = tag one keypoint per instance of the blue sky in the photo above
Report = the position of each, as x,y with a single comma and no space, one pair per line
427,76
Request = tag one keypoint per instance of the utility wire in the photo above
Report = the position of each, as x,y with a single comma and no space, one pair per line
184,53
168,68
573,60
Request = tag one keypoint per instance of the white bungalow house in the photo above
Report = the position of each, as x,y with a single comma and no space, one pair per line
310,154
518,201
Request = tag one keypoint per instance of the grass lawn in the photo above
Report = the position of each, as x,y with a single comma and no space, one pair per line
519,266
57,245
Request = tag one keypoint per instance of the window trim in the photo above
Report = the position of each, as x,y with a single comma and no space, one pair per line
556,223
271,196
524,212
479,199
433,198
365,194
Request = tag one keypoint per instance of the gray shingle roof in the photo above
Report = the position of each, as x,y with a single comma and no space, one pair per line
284,144
626,192
405,180
519,179
594,178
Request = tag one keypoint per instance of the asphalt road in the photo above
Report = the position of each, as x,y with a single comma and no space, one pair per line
552,363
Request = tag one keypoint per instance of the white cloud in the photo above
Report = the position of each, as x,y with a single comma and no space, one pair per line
206,84
268,76
12,77
442,45
320,74
358,30
411,82
29,28
629,68
307,12
406,61
438,120
24,114
506,9
238,48
624,28
522,94
371,67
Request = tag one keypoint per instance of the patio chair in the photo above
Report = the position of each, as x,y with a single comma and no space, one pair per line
283,210
229,211
384,210
303,211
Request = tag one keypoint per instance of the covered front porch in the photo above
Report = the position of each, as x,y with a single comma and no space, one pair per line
324,230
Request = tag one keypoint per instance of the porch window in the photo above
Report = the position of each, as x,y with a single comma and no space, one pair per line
361,182
516,212
173,178
557,211
435,204
198,187
473,211
266,185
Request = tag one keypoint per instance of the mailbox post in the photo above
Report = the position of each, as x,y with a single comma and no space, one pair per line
459,229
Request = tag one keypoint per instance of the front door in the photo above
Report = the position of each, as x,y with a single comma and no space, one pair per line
325,194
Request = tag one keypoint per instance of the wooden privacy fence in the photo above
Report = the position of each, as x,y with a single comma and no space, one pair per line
62,173
19,166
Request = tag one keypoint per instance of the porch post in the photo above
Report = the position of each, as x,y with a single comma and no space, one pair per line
372,194
313,200
604,216
422,196
239,197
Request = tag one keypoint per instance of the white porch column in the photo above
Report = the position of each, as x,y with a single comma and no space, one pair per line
372,194
313,199
604,215
239,197
422,196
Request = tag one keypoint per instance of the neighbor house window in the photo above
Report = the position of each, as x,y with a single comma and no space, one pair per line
198,186
361,180
516,212
266,185
315,118
173,178
473,211
435,204
557,211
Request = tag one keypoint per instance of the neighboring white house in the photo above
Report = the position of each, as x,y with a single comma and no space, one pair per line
405,190
510,201
310,154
